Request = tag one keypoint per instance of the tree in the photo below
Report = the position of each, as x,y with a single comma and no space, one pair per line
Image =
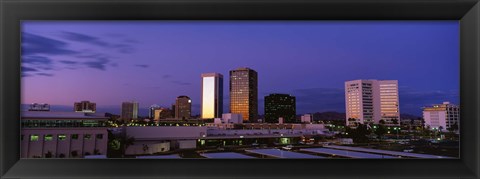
381,122
454,127
380,131
395,121
359,134
440,129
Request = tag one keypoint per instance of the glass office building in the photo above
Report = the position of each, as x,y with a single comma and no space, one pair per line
212,95
280,105
244,93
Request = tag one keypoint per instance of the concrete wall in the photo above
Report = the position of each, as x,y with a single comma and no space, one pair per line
165,132
57,147
140,148
187,144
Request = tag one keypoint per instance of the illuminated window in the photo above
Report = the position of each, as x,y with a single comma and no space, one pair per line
62,136
48,137
33,137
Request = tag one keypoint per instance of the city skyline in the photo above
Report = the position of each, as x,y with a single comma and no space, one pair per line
74,60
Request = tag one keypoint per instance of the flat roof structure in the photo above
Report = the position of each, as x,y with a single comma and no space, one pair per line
346,153
277,153
174,156
387,152
225,155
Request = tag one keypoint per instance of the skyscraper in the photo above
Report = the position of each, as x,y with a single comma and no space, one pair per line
212,95
183,107
244,93
85,106
372,101
280,105
129,110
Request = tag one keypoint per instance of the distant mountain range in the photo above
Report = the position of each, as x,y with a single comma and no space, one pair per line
332,115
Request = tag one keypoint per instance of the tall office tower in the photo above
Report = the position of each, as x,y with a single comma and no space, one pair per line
183,107
39,107
212,95
389,102
370,101
244,93
445,115
280,105
85,106
129,110
151,110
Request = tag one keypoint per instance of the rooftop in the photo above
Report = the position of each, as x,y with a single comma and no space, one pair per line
62,115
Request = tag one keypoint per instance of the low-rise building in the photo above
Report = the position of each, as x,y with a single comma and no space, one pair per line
442,116
62,134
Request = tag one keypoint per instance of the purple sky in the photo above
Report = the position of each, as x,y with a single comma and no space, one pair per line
153,62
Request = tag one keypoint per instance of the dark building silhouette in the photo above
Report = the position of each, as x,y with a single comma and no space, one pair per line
183,107
129,110
280,105
244,93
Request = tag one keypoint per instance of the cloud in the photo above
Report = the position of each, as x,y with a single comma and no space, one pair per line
84,38
329,99
319,100
36,60
68,62
35,44
124,48
44,74
121,47
412,101
99,64
142,65
28,69
166,76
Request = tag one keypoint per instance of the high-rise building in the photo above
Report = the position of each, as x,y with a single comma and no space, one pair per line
151,110
280,105
85,107
212,95
129,110
183,107
39,107
244,93
372,101
445,116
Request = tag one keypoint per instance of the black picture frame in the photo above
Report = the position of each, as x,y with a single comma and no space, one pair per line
14,11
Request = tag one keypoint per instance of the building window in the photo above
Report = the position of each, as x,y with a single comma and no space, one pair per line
87,136
99,136
21,137
48,137
74,136
62,136
33,137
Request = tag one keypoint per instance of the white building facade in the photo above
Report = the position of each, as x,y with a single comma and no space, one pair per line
442,116
370,101
62,135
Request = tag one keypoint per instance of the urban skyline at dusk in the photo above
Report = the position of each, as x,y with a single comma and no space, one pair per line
153,62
